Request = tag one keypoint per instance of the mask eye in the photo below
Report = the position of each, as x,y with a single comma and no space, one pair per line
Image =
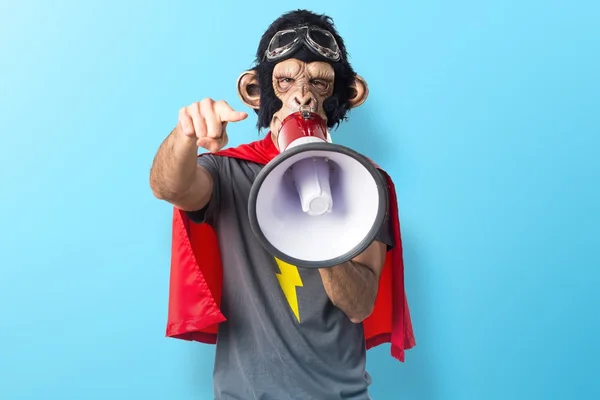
320,85
285,83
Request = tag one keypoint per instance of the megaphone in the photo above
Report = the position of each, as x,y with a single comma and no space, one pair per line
316,204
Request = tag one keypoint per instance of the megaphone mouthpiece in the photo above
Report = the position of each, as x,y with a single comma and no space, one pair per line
306,111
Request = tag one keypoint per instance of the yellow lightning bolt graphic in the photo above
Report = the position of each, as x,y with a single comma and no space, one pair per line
289,279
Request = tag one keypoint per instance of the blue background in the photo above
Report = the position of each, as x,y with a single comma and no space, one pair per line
486,113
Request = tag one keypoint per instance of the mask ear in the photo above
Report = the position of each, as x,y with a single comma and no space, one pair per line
359,92
248,89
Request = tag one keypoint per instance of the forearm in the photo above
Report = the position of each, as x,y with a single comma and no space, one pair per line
352,287
174,167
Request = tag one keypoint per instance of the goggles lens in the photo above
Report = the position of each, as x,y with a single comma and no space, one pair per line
323,39
282,39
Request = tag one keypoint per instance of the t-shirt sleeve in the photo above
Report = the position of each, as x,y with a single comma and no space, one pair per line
385,234
208,213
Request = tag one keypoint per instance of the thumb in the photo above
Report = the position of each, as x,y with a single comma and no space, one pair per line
209,144
212,145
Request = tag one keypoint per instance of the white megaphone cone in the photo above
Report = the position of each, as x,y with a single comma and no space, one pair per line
317,204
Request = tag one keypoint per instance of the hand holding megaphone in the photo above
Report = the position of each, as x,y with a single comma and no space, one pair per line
206,122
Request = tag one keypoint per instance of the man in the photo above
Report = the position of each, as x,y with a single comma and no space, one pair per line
282,332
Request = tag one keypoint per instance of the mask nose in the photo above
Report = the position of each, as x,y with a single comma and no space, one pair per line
303,100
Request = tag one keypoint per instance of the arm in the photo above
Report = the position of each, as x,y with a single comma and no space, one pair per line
175,175
353,286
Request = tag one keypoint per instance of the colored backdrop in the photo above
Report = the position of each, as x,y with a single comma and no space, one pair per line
486,113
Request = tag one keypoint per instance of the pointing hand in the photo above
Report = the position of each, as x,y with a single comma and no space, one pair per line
206,121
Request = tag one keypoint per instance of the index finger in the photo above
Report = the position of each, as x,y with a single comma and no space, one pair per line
228,114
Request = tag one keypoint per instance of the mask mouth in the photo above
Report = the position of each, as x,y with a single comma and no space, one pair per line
319,41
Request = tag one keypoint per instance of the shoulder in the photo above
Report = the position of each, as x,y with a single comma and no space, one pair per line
217,160
221,159
228,166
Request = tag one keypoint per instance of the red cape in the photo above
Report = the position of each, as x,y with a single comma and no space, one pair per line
196,276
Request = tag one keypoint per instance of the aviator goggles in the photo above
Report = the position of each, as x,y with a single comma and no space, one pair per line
319,41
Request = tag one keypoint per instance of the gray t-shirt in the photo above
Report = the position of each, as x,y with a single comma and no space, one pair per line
283,338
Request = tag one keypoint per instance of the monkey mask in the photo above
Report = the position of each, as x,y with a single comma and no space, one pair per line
301,62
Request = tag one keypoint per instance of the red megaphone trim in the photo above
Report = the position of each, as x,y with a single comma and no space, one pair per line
298,125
